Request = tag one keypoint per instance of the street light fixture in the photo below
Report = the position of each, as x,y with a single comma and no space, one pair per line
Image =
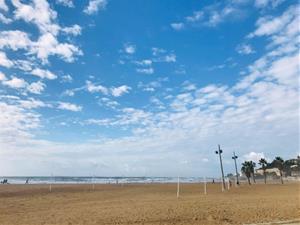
219,152
234,157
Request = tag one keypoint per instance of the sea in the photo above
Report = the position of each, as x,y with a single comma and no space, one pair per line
101,180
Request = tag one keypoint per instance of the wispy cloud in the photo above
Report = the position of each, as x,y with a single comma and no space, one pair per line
94,6
213,15
267,3
245,49
4,61
68,3
69,106
129,48
114,91
145,70
43,74
119,91
177,26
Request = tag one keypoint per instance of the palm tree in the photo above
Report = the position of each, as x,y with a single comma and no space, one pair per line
252,166
263,163
278,162
246,169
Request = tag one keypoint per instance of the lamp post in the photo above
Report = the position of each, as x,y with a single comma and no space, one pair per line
234,157
219,152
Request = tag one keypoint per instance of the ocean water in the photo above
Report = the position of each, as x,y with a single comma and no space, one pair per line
101,180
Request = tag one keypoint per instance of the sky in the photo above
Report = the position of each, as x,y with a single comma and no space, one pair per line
146,88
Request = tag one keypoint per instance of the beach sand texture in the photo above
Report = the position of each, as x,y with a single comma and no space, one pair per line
147,204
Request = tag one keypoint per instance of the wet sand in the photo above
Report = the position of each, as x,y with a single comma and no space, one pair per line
148,204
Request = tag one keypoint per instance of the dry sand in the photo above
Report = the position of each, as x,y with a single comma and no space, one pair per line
147,204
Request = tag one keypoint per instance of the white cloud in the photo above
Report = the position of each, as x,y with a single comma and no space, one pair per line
197,15
45,46
177,26
129,48
19,83
4,61
16,123
153,85
3,5
68,3
114,91
270,25
24,65
170,58
69,106
189,87
99,122
14,39
119,91
214,14
2,76
145,62
285,70
74,30
36,87
32,103
94,6
43,74
244,49
218,16
5,19
108,103
162,55
15,82
67,78
145,70
254,156
38,13
281,50
69,92
157,51
48,45
266,3
96,88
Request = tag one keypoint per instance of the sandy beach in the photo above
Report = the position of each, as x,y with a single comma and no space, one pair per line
147,204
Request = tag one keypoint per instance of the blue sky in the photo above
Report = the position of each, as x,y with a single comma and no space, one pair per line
139,88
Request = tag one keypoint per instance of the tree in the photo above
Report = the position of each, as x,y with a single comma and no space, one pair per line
278,162
263,162
252,166
246,169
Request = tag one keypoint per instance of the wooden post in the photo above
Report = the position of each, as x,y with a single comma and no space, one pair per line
222,184
178,187
93,182
228,184
50,185
205,186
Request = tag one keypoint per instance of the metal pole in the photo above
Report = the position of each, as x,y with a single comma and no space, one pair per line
236,171
220,152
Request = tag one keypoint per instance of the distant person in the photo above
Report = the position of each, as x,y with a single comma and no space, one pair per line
27,181
213,181
5,181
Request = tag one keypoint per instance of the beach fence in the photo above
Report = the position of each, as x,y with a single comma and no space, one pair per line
205,184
